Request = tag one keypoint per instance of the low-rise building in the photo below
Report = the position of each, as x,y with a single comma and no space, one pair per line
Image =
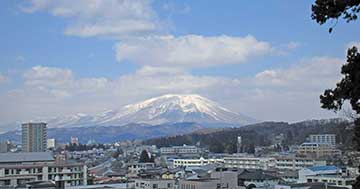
314,185
17,169
318,150
135,168
219,178
51,143
4,146
257,179
329,139
180,150
325,174
154,184
196,162
296,163
241,162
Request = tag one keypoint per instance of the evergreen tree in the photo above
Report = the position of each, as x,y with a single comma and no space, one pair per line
348,89
324,10
144,157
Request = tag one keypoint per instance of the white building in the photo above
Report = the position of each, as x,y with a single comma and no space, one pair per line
16,169
185,149
195,162
329,139
241,162
325,174
74,140
318,150
296,163
51,143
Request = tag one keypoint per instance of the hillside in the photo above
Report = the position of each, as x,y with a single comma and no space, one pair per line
261,134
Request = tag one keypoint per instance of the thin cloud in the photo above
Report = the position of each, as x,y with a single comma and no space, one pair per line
93,18
191,50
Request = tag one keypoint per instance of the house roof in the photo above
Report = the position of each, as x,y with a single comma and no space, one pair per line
256,175
41,184
25,157
315,185
323,168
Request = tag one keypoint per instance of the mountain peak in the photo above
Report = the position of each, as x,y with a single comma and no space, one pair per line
168,108
184,102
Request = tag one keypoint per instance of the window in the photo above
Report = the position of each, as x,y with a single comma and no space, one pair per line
6,171
155,186
6,182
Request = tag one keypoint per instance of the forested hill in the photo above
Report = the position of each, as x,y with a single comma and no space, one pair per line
261,134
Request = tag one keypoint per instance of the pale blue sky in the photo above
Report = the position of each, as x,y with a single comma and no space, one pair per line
37,37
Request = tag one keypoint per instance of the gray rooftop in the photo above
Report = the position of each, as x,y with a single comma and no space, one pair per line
25,157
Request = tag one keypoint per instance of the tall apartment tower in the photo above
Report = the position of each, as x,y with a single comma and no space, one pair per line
34,137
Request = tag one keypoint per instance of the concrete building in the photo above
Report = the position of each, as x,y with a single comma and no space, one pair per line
4,146
296,163
135,168
154,184
313,185
241,162
18,169
51,143
74,140
223,178
325,174
196,162
329,139
317,150
257,179
34,137
180,150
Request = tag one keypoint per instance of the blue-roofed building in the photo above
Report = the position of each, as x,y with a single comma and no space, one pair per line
325,174
324,168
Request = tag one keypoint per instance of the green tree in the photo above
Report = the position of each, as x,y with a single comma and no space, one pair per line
324,10
251,149
144,157
348,89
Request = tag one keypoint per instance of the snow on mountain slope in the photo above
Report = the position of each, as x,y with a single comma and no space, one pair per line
169,108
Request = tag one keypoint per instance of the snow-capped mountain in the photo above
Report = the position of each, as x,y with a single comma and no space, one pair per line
171,108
